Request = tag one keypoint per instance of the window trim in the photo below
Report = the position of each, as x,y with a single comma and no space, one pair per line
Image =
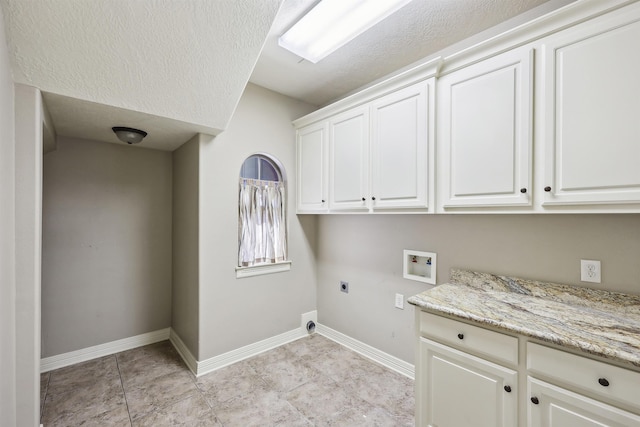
262,269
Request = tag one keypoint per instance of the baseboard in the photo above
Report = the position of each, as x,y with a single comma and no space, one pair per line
184,352
61,360
233,356
208,365
385,359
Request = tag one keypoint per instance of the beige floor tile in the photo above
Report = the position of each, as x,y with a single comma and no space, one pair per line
320,401
388,390
262,408
231,382
118,417
82,375
312,346
138,372
157,350
157,394
103,398
285,375
192,412
309,382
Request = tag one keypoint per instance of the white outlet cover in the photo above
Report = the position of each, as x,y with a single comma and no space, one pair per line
590,271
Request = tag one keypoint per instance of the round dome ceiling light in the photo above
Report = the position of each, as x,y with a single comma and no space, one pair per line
129,135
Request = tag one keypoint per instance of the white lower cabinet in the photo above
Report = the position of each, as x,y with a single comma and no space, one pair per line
464,390
469,375
552,406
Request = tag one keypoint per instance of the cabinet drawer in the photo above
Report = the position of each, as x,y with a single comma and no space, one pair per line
497,346
589,376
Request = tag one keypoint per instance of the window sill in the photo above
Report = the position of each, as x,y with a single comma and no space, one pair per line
259,270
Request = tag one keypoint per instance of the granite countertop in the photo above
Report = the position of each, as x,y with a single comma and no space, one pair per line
597,322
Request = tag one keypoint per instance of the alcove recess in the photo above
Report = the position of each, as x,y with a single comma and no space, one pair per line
420,266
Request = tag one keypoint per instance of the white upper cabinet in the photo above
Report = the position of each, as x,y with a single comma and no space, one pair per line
374,156
544,117
349,160
399,148
592,106
485,132
312,173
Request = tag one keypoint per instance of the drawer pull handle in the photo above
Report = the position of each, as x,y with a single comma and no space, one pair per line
535,400
507,388
603,382
461,336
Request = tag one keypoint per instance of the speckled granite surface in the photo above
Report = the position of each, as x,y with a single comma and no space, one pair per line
598,322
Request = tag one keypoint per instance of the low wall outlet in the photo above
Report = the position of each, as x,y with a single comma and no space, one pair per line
400,301
344,286
590,271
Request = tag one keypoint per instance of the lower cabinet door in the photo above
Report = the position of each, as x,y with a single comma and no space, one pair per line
463,390
551,406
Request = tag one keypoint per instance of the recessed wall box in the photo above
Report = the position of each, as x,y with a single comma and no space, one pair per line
420,266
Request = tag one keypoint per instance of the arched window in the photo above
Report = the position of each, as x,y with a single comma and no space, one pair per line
262,226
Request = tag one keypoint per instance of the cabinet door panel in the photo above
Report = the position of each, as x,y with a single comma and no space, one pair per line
593,106
464,390
400,149
349,160
558,407
486,132
311,168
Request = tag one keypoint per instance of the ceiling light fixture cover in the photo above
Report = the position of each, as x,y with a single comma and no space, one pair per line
333,23
129,135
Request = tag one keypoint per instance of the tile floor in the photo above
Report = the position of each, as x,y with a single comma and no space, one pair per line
310,382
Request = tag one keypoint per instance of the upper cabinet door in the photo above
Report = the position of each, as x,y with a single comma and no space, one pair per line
485,132
312,154
592,102
400,148
349,160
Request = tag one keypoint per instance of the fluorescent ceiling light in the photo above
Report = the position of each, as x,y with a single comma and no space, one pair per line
333,23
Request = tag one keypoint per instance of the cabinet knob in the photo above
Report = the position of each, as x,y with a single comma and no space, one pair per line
535,400
603,382
547,189
322,200
461,336
363,199
373,198
523,190
507,388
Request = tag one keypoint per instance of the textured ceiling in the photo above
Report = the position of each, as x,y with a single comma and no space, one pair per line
177,67
187,61
416,31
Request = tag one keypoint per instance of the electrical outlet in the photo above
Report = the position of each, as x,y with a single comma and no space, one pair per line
400,301
590,270
344,286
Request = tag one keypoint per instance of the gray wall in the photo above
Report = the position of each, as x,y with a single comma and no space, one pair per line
7,239
366,251
106,244
184,293
237,312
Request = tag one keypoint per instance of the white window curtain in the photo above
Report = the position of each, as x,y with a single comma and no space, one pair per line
262,227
